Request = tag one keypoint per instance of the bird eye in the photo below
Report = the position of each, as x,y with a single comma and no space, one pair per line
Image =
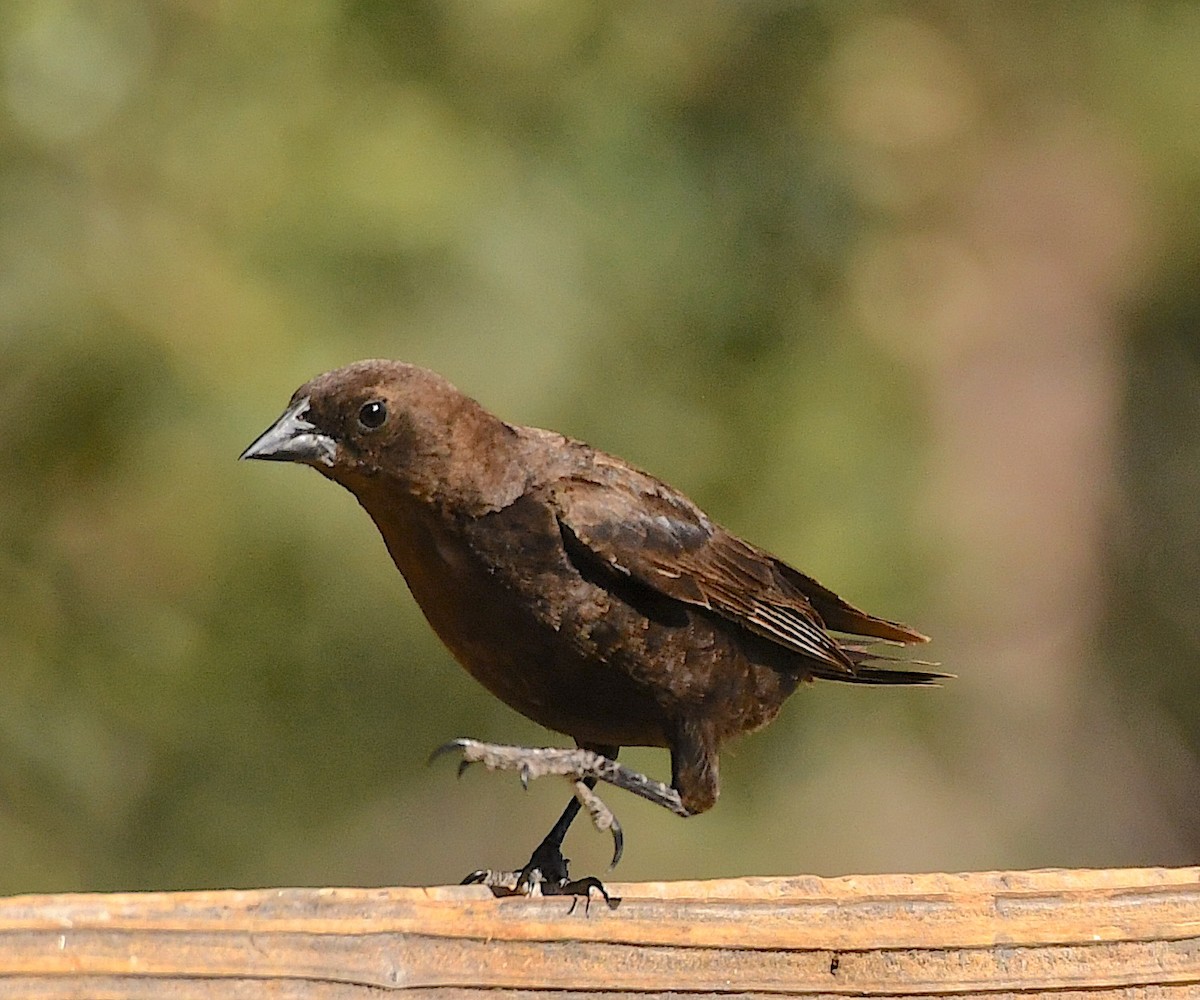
373,414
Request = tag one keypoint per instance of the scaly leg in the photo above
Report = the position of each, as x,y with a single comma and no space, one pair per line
577,764
585,766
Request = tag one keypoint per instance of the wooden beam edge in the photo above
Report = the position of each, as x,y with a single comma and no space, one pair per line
856,935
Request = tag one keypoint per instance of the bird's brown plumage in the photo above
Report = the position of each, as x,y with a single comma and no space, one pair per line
585,593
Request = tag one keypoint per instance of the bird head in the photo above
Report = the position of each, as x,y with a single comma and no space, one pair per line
389,421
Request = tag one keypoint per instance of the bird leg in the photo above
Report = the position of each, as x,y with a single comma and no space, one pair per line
576,764
547,868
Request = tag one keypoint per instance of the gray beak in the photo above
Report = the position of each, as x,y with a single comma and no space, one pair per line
293,439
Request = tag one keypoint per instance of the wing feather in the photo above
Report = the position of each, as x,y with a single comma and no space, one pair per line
644,530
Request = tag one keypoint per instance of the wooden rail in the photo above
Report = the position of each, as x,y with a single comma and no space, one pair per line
1071,934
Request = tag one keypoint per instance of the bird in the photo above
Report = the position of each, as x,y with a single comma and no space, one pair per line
581,591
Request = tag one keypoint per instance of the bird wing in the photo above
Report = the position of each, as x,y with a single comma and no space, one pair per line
644,530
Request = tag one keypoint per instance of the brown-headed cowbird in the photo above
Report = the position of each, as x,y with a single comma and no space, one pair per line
581,591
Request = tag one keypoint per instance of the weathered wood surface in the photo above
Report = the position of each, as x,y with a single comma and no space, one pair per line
1074,934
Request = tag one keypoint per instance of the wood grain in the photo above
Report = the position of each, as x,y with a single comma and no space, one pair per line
1114,933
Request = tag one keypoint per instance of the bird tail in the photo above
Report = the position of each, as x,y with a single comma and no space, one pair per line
866,672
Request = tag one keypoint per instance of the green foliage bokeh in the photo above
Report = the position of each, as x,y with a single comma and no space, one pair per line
671,230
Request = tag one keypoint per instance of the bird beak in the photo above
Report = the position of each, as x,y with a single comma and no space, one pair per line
293,439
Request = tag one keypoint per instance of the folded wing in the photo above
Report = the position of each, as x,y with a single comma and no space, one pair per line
642,529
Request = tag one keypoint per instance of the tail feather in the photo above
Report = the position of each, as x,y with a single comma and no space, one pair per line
884,675
840,615
865,672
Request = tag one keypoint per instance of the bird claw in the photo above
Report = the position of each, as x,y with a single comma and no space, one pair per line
582,887
603,819
506,882
532,880
452,746
618,844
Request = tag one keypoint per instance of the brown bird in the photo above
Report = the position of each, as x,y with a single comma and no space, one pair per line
581,591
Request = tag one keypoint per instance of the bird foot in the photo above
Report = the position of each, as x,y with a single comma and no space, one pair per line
544,874
533,763
576,764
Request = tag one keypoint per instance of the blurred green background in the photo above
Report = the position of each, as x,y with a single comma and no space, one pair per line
905,292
